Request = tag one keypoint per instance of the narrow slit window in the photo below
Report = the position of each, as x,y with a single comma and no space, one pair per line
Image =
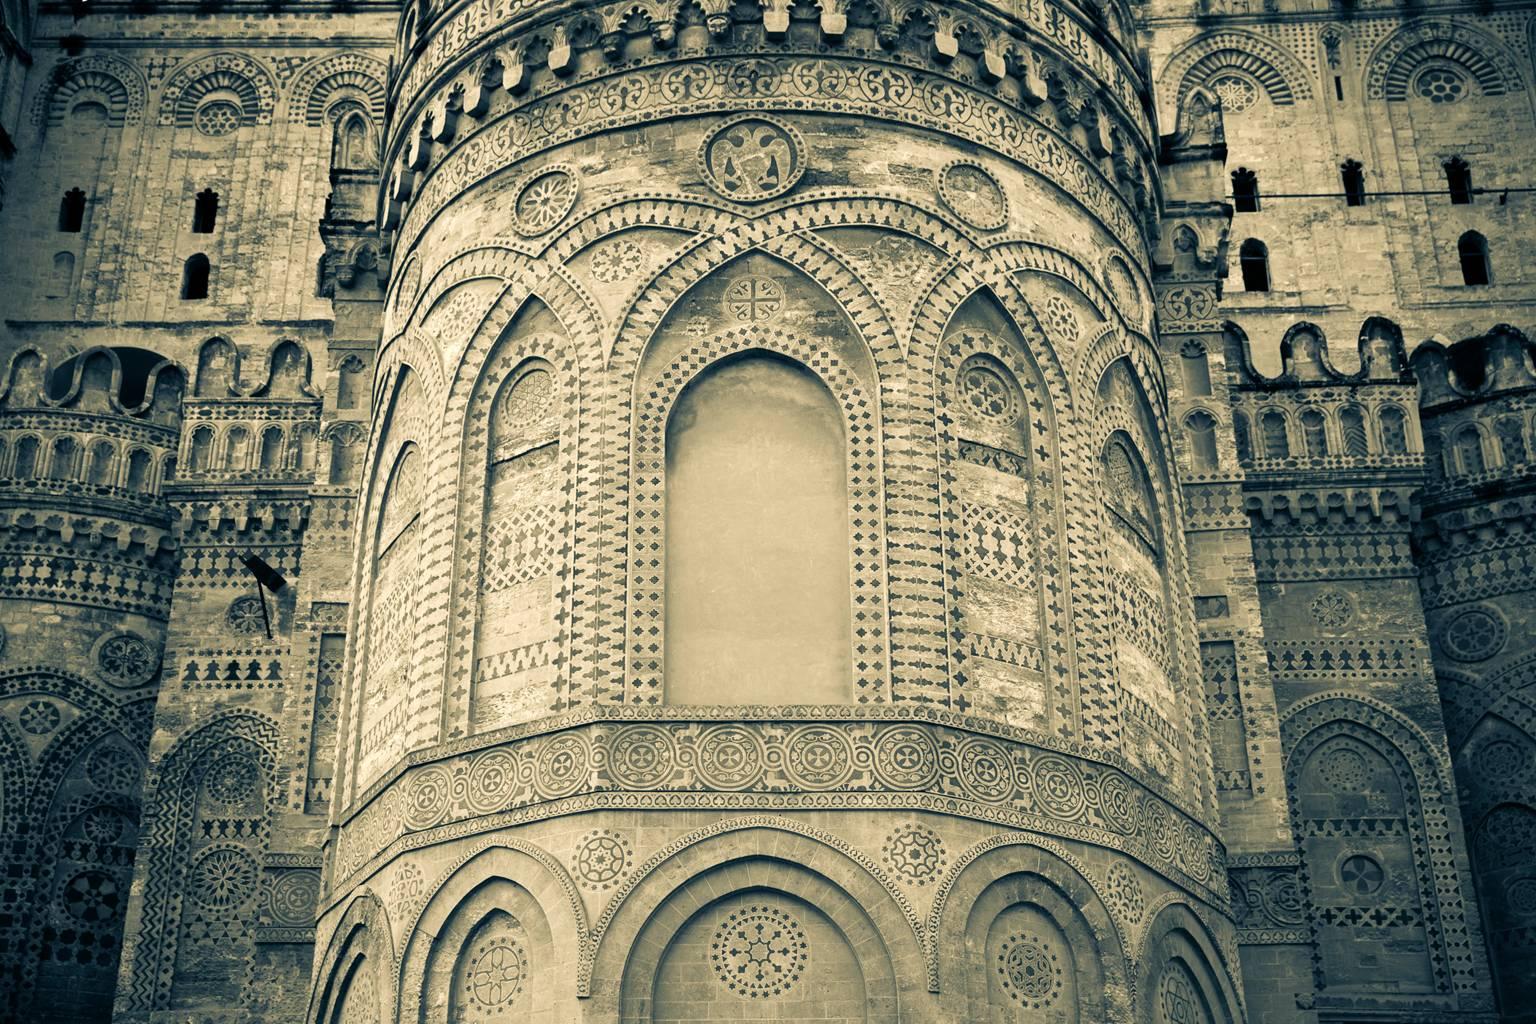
205,212
1473,250
1245,190
1253,260
194,277
72,211
1458,179
1353,173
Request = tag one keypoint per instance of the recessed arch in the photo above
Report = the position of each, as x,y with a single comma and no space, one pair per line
1283,78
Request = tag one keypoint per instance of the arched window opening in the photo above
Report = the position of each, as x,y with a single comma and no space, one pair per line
1473,250
1276,444
61,466
205,212
1314,429
72,211
1197,369
1245,190
1253,261
138,470
194,277
1469,450
100,473
26,458
349,382
757,568
1394,431
1241,438
63,280
1458,180
272,450
1352,422
237,455
200,450
1201,427
1353,173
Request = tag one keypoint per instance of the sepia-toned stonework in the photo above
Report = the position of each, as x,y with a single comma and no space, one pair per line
841,511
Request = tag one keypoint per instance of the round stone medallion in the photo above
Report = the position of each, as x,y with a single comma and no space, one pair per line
818,757
987,391
217,117
91,897
1361,875
915,853
113,769
974,195
1344,770
496,973
753,158
125,659
1332,609
39,717
759,951
544,199
1030,970
1236,92
601,858
293,898
1476,634
246,618
223,878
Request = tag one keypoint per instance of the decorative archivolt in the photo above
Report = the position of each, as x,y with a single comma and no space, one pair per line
347,75
1280,74
1391,68
113,83
219,72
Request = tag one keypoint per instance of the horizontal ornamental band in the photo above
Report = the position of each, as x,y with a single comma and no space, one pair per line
781,763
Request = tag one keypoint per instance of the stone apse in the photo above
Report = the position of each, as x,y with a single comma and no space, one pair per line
771,591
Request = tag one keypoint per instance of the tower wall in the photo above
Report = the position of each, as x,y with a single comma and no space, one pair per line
638,257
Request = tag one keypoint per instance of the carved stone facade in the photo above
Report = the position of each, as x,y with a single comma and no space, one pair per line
780,515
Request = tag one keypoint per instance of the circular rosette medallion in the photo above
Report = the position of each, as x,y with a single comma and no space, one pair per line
641,757
729,757
562,766
426,797
544,199
818,757
905,758
970,190
1117,802
492,779
986,771
293,899
1058,787
752,158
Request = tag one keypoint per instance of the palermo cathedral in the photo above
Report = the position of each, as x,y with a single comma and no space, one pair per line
825,511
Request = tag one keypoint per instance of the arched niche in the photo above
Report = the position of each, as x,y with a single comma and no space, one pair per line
1182,979
997,447
1370,891
1143,571
759,936
757,541
756,316
353,976
514,510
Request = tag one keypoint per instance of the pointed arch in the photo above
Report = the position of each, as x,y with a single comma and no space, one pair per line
1182,976
357,965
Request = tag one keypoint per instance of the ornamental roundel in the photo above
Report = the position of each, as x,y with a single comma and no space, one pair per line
496,973
1344,770
1122,288
544,199
113,769
232,780
293,898
1236,92
988,391
102,826
217,117
817,757
492,778
905,758
729,757
125,659
753,158
1500,762
1477,634
1440,84
753,300
1030,969
563,766
915,853
974,195
91,897
601,858
1520,896
223,878
426,798
246,617
986,770
1332,609
617,261
1058,786
759,951
1361,875
1178,1002
641,756
39,717
1124,892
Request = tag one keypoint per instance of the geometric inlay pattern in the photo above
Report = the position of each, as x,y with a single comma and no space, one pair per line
759,951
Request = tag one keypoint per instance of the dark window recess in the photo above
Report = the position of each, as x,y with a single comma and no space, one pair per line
72,210
1245,190
194,277
1473,249
1354,183
205,212
1458,179
1253,258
